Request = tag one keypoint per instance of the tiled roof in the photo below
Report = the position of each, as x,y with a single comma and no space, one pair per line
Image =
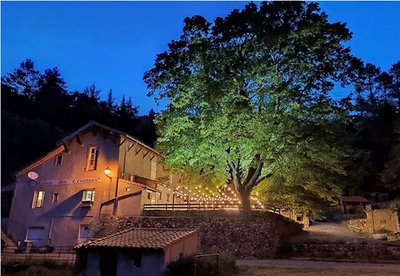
140,238
359,199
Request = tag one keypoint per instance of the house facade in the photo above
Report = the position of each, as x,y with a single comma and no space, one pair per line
93,171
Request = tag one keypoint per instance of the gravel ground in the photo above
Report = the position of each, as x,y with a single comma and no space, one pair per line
302,267
330,232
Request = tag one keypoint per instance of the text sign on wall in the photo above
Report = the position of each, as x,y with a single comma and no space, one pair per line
70,181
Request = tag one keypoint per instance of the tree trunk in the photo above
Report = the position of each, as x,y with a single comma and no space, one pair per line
244,184
245,199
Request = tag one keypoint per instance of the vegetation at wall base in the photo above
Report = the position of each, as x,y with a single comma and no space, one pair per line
215,265
37,267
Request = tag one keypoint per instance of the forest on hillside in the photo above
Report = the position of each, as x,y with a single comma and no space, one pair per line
37,110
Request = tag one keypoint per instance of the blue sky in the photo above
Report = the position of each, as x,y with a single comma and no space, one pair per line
114,43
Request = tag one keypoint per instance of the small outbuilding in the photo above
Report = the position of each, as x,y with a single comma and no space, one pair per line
353,204
137,251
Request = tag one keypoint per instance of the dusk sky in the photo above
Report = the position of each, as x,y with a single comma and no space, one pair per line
114,43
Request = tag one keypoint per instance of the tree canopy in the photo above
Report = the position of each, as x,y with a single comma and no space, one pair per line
250,96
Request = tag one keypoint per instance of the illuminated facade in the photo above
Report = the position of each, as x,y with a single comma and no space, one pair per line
95,170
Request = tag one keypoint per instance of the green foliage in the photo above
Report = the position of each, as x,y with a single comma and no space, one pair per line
391,173
249,96
373,166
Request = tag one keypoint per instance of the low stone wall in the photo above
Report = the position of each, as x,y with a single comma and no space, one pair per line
348,251
251,235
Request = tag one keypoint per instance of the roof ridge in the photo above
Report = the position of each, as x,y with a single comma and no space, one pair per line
153,235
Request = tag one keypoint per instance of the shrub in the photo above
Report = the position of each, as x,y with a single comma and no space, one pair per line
29,267
203,265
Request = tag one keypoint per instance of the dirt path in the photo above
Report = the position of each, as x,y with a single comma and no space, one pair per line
329,232
337,266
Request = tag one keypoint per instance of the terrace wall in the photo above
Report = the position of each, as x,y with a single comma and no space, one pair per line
250,235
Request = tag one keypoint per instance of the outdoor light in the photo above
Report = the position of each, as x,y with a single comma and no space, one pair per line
107,171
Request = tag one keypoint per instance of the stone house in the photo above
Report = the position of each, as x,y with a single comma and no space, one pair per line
94,170
353,204
137,251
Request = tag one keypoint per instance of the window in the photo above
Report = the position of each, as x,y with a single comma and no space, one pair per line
91,162
54,198
88,195
83,232
153,169
148,195
167,197
87,198
38,198
58,160
160,194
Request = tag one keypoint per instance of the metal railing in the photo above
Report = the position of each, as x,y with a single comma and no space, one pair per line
200,207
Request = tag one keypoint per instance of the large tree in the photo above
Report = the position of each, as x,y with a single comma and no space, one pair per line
242,87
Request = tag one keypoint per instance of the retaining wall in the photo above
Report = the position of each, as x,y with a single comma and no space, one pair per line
249,235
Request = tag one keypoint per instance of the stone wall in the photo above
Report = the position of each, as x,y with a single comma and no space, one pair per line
348,251
383,221
251,235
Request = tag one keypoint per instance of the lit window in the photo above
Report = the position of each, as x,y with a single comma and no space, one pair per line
38,198
88,195
54,197
87,198
58,160
91,162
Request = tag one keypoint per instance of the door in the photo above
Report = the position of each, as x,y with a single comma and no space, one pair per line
108,263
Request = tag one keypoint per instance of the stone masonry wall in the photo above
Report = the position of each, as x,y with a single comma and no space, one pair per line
251,235
383,221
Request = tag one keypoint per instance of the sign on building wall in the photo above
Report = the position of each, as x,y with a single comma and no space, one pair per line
70,181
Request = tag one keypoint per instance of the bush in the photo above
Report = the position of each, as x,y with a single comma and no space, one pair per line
203,265
29,267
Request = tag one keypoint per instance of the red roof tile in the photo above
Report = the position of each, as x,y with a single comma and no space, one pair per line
140,238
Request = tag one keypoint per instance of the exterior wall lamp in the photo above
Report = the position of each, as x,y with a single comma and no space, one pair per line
107,171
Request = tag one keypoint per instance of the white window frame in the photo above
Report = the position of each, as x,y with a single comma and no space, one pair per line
92,156
88,195
38,199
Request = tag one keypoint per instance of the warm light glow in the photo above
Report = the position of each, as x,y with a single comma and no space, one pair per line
107,171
